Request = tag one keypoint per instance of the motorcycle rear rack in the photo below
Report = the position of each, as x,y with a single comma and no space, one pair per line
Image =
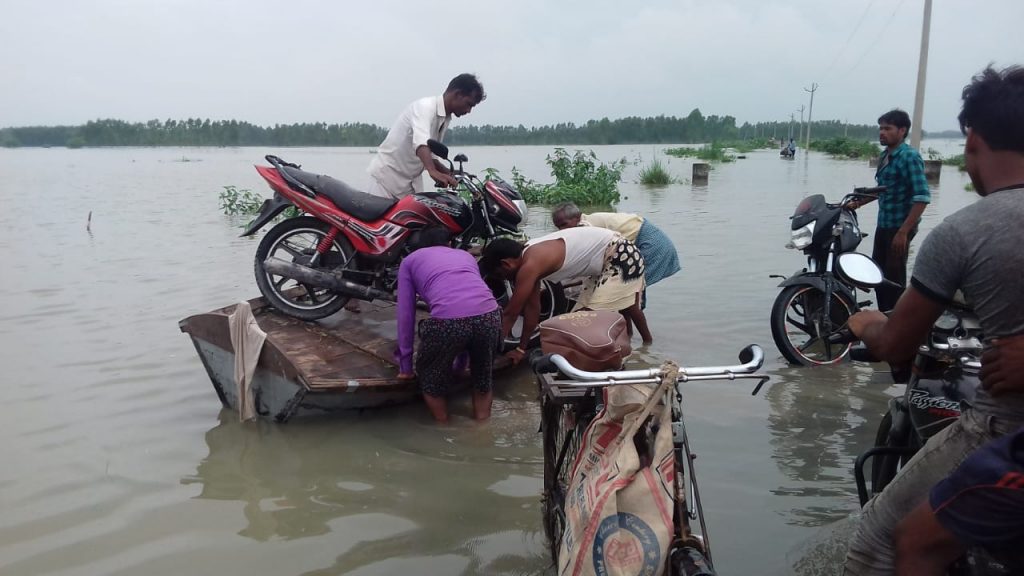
858,467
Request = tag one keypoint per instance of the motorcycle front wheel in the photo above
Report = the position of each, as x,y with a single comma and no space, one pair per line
800,328
295,240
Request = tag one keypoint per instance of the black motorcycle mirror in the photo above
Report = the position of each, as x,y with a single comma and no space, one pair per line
438,149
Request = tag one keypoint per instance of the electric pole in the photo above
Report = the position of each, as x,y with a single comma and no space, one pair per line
922,68
791,125
810,112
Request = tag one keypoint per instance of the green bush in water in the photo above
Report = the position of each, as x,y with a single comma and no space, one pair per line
655,174
579,178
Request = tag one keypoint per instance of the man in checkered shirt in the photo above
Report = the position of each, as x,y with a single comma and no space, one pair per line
901,169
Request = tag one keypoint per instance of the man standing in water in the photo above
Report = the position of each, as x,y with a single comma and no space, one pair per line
976,251
901,170
397,169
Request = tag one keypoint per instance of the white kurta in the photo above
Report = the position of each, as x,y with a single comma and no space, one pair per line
396,171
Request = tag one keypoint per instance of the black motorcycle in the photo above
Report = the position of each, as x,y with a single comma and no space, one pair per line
816,301
945,375
945,378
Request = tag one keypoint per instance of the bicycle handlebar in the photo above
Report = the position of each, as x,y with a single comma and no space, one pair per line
753,355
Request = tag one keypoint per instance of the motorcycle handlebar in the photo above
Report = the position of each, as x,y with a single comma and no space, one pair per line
873,191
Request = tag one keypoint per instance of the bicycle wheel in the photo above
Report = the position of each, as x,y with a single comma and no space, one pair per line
562,428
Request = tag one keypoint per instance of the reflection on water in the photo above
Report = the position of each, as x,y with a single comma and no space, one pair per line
467,492
117,459
819,418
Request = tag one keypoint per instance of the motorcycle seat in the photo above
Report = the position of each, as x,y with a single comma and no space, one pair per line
361,205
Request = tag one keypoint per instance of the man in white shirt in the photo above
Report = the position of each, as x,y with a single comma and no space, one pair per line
397,169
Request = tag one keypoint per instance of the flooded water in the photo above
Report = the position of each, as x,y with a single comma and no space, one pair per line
117,459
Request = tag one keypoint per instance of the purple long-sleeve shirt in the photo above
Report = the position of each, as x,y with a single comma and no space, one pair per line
449,281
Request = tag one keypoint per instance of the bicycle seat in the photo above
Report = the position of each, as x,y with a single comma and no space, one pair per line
363,206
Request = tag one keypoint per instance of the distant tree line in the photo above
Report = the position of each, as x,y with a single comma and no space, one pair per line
694,128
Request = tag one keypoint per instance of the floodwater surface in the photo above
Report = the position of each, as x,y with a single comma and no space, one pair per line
117,459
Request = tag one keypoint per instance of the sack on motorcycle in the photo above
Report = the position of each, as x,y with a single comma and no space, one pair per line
619,507
592,340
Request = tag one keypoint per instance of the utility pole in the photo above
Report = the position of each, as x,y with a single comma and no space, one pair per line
810,112
922,68
846,127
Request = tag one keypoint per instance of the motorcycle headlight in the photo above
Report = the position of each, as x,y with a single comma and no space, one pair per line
523,212
801,237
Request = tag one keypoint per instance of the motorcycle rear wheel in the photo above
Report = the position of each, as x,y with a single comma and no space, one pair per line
800,329
295,240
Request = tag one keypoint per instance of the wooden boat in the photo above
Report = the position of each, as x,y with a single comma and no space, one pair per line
344,362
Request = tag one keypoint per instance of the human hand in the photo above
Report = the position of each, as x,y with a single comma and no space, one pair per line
443,180
861,320
1002,366
899,245
406,376
853,204
516,355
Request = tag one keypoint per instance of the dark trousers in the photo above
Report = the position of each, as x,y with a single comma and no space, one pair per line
894,269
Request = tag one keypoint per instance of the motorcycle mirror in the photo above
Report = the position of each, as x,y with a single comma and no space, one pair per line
859,270
461,158
437,149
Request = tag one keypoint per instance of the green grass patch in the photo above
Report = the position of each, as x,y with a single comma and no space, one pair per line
713,152
749,145
958,161
655,174
846,148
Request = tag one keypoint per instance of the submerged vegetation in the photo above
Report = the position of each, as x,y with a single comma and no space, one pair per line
579,177
713,152
242,201
957,161
655,174
843,147
239,201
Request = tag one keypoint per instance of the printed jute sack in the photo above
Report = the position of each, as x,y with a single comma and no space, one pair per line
618,509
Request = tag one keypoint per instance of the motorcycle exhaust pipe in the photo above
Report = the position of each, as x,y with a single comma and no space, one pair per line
319,278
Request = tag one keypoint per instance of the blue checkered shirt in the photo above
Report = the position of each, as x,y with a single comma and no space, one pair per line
902,171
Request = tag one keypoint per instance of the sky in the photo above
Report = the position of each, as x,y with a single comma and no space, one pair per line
71,61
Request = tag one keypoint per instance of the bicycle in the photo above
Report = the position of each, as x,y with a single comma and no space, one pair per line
569,405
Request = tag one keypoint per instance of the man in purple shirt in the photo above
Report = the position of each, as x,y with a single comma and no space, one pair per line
464,316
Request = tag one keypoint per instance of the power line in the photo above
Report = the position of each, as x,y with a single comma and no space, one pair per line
848,38
877,38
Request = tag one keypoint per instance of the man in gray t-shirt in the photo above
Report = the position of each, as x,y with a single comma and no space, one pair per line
980,251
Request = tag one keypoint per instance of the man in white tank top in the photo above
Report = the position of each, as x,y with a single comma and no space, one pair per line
610,266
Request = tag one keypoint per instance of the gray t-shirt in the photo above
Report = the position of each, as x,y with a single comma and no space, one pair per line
979,250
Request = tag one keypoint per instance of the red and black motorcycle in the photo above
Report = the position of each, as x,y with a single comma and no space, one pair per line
348,244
